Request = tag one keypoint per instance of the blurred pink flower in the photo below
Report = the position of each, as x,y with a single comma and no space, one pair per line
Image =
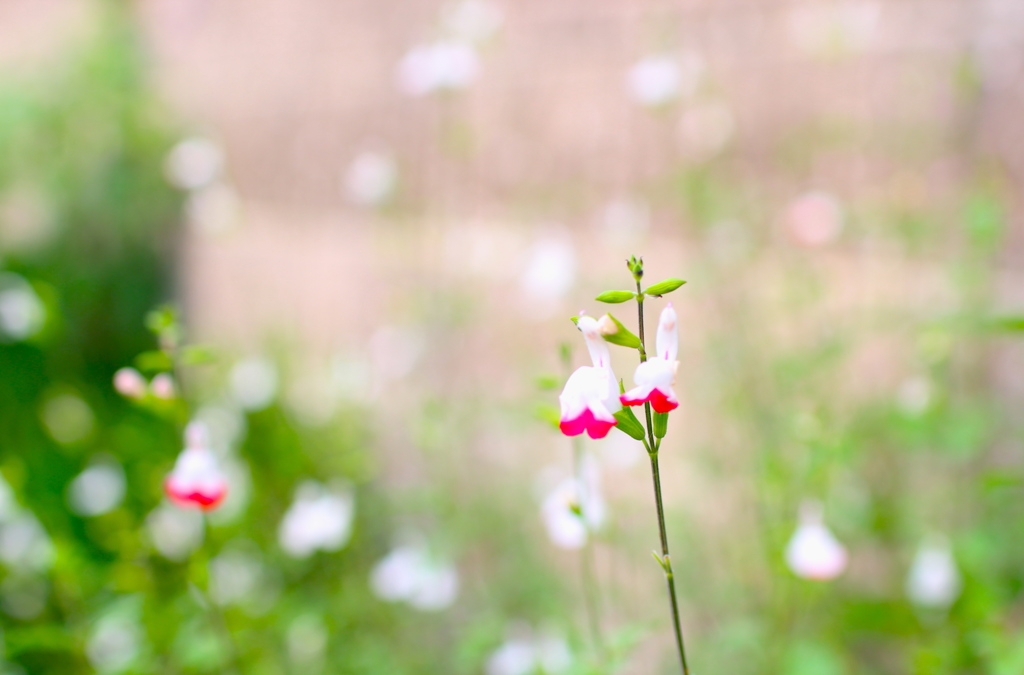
590,397
814,219
196,480
163,386
129,383
655,376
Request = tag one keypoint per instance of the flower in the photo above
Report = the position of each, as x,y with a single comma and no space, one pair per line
589,399
196,479
163,387
574,508
655,376
933,580
441,66
529,651
129,383
319,518
813,552
411,574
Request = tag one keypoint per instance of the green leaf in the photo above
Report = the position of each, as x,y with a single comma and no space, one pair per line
663,287
547,382
1010,323
621,336
196,355
660,424
548,413
629,424
154,361
613,297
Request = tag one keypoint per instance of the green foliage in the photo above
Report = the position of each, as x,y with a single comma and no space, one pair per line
662,287
614,297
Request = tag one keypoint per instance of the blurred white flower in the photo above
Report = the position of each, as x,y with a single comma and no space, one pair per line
934,580
163,387
24,544
814,219
572,510
473,21
254,383
705,128
196,480
68,418
657,80
214,209
318,519
307,639
549,273
526,653
410,574
234,575
175,532
98,489
914,395
813,552
194,163
513,657
371,178
22,313
443,65
114,643
129,383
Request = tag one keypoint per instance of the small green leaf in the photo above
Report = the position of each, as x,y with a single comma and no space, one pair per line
547,382
629,424
548,413
197,355
154,361
663,287
660,424
613,297
1009,323
621,336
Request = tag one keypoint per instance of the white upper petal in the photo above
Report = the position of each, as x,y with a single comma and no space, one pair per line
596,345
668,334
655,373
590,387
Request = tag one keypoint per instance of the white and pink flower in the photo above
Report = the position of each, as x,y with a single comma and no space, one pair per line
196,481
655,376
590,398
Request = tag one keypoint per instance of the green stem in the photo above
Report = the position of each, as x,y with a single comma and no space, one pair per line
214,612
591,591
652,451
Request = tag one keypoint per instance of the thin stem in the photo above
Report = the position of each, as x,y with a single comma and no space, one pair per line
591,591
653,446
214,612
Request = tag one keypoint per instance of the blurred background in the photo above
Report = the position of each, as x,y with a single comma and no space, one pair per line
347,237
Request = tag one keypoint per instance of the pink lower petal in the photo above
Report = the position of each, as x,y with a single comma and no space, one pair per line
586,421
205,500
662,403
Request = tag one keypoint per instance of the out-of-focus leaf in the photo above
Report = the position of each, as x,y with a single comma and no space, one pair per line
154,361
663,287
614,297
197,355
1014,323
546,412
547,382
